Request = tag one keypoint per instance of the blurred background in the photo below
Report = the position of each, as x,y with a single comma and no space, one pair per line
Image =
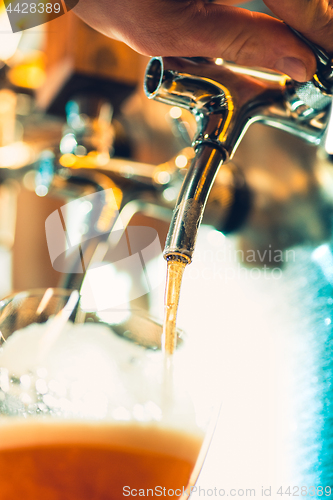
74,121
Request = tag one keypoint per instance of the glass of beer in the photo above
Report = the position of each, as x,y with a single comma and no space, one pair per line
90,409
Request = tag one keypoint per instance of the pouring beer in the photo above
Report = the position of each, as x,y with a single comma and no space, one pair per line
88,410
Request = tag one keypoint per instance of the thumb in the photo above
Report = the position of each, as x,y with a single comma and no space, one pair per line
246,38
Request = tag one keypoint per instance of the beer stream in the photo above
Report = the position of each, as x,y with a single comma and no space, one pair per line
175,272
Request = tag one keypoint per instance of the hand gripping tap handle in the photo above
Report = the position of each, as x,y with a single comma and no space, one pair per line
322,83
324,62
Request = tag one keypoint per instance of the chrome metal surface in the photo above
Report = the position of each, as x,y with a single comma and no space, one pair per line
191,202
225,101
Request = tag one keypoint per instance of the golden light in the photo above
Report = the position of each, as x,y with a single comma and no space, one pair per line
181,161
29,74
175,112
15,155
67,160
266,75
8,40
161,176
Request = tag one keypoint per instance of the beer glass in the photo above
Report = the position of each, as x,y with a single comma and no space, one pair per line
90,408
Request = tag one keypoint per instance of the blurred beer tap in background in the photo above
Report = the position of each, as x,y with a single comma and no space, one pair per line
85,77
79,139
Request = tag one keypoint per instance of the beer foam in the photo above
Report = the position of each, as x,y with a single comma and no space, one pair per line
88,372
22,351
36,432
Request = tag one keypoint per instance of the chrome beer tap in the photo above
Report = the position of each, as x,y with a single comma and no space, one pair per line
225,100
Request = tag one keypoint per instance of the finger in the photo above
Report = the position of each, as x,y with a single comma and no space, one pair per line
313,18
195,28
229,2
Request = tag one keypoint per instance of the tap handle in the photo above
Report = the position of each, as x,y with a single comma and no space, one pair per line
321,90
324,62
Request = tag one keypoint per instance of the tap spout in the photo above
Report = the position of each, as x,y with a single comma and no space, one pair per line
191,202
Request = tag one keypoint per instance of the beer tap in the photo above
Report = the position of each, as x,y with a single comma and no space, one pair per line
225,100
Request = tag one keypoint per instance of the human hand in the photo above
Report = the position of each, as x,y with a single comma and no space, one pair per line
191,28
313,18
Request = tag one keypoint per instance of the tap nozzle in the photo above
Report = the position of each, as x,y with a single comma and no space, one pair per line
191,202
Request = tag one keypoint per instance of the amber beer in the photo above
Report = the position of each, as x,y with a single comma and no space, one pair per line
67,460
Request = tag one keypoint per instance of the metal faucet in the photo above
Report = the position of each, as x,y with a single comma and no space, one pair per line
225,100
